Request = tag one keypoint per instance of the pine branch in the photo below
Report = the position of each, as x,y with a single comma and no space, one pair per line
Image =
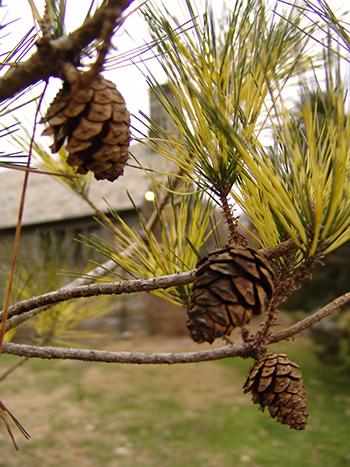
32,351
28,308
106,288
310,320
52,55
109,265
244,350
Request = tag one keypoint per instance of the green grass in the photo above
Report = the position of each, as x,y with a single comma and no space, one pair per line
93,415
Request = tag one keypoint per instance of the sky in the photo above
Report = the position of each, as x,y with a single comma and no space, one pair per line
129,79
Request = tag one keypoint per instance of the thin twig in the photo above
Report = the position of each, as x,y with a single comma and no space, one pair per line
234,235
20,362
106,34
12,368
16,320
3,411
279,250
310,320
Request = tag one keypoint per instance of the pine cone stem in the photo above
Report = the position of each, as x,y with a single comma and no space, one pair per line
106,34
235,236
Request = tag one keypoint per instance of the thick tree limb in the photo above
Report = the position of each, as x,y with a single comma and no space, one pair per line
32,351
48,59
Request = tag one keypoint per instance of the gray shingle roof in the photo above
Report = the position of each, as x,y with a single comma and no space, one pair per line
47,200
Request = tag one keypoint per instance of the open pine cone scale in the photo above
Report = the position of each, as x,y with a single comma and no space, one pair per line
231,285
275,382
95,123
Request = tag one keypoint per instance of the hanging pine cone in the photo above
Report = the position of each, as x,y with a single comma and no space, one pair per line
232,284
275,381
96,124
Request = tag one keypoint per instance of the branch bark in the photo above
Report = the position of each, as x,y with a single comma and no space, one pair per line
243,350
43,302
106,288
237,350
310,320
48,59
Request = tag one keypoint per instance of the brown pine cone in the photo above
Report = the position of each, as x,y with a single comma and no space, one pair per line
275,381
95,123
231,285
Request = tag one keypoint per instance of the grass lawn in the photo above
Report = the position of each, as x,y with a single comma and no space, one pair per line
190,415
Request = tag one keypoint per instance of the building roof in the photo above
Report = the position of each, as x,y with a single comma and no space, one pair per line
47,200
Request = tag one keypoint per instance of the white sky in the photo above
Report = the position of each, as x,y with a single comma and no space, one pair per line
129,80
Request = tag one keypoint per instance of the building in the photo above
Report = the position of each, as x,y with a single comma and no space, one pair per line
53,209
49,205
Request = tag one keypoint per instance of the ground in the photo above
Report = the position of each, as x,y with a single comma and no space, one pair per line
91,415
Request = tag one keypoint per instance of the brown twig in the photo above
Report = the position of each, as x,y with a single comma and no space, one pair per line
106,34
19,362
279,250
282,288
310,320
16,320
287,282
12,368
234,235
3,411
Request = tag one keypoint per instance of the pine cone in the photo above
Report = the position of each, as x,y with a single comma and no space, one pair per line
275,382
232,284
96,124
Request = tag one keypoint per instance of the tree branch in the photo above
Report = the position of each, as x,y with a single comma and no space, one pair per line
75,290
48,59
106,288
32,351
237,350
279,250
244,350
144,285
310,320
